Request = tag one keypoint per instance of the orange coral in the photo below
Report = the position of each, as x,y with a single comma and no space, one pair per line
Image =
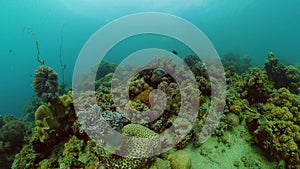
144,96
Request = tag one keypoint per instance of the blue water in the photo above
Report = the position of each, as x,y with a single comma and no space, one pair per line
249,27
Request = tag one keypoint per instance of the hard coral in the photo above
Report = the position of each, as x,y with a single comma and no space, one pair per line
144,96
136,153
135,147
97,123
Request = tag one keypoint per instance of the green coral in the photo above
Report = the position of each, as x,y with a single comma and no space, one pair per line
46,122
104,69
293,76
256,87
12,133
275,126
26,158
282,76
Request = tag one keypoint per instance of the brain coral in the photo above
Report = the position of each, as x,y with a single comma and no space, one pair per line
135,152
45,83
141,141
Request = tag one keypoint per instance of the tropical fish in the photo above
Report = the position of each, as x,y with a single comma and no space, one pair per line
160,72
175,52
262,119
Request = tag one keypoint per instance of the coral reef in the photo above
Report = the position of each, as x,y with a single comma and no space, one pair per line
160,164
12,138
199,71
98,123
49,117
96,73
144,97
31,107
236,62
104,69
282,76
275,126
135,148
65,139
256,87
196,65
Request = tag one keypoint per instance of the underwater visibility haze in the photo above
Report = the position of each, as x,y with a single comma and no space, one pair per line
48,119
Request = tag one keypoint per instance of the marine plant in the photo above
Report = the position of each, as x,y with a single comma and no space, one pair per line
30,31
62,66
